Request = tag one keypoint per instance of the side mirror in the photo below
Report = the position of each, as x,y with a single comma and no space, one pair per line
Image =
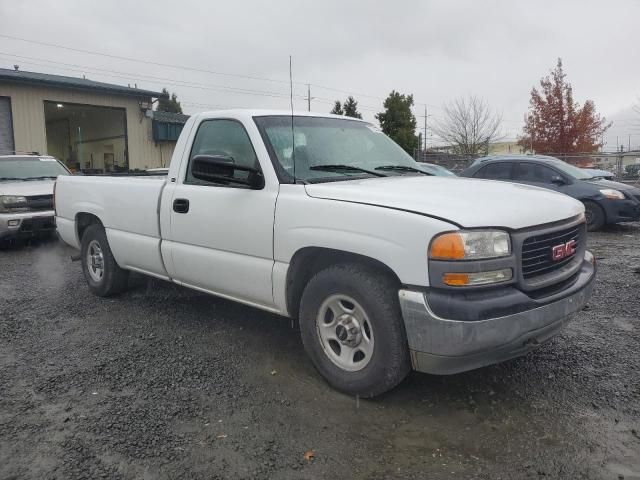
558,180
221,169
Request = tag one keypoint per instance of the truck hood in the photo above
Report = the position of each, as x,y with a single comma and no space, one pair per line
462,201
28,188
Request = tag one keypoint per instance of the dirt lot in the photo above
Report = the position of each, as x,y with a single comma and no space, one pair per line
164,382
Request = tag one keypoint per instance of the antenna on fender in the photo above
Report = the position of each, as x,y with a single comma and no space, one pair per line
293,137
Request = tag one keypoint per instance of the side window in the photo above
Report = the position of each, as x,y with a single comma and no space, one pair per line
227,138
545,174
495,171
534,173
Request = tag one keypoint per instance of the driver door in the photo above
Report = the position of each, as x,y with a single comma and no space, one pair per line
221,234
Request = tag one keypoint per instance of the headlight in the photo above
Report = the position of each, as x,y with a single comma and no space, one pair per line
13,203
613,194
470,245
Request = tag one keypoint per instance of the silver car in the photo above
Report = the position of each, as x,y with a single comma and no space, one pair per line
26,195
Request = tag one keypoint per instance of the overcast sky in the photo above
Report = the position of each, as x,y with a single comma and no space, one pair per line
437,50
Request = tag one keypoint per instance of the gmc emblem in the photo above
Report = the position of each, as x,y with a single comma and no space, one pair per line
563,250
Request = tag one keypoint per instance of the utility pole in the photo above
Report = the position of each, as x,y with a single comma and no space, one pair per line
620,160
425,129
533,129
308,97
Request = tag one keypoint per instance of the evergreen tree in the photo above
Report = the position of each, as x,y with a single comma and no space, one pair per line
337,108
169,103
350,107
398,121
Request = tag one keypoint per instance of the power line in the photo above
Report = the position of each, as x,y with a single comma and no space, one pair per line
74,67
144,77
209,105
194,69
137,60
347,92
129,76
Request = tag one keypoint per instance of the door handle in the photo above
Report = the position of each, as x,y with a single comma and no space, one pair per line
181,205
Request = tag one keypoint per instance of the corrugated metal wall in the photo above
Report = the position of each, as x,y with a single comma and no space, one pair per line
27,104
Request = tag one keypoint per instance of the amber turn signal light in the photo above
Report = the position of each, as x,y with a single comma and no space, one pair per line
449,246
454,279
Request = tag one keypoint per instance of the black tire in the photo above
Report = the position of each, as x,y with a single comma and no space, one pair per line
114,279
377,294
596,218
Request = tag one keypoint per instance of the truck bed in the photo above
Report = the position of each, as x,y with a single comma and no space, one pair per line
128,207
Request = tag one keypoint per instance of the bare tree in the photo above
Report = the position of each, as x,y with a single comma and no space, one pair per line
469,125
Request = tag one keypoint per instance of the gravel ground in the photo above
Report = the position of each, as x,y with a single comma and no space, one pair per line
164,382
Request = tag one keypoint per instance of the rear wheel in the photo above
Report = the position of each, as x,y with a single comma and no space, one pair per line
352,329
594,215
103,275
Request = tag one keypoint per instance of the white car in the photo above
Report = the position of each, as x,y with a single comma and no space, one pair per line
26,195
326,220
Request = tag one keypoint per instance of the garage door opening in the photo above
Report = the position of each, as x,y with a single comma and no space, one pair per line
6,126
87,138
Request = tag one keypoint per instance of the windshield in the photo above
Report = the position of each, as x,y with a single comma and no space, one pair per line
333,149
572,171
30,168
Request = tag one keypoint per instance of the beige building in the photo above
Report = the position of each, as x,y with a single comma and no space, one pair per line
91,126
505,148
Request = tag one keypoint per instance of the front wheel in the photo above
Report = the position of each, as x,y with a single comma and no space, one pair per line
352,329
594,215
103,275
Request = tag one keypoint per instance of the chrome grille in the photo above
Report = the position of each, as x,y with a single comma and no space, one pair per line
537,256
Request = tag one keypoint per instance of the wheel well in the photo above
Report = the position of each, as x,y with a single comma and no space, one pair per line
595,202
308,261
83,220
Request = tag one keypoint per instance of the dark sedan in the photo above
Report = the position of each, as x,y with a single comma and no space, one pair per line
604,201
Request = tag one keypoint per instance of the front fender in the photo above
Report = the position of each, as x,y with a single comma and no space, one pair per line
395,238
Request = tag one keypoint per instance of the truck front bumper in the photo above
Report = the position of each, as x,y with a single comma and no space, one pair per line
27,224
443,346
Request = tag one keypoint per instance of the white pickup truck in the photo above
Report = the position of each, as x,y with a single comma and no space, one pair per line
326,220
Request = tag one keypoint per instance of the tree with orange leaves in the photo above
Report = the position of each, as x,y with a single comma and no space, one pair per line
556,124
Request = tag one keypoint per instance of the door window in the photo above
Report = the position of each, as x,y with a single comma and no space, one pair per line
496,171
226,138
533,173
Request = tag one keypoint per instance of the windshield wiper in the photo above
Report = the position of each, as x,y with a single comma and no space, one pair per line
10,178
402,168
41,177
345,168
